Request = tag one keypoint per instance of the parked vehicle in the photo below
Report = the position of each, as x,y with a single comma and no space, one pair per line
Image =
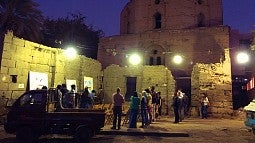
38,112
250,116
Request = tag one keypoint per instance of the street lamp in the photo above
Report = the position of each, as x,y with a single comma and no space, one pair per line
134,59
70,53
242,58
177,59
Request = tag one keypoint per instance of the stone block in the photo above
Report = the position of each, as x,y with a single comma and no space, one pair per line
217,104
17,94
4,78
22,65
228,104
22,79
7,55
24,72
4,70
33,67
13,71
4,63
4,85
13,86
43,68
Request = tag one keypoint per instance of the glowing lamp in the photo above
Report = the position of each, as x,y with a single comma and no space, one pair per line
177,59
134,59
242,58
70,53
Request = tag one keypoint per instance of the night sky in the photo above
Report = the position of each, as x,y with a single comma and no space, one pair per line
105,14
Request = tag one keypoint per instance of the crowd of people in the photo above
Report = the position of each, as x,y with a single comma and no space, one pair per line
72,99
149,106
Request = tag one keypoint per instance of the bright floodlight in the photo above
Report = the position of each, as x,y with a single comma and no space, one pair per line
177,59
70,53
242,58
134,59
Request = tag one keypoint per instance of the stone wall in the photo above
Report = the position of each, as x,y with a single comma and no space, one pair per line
147,76
214,80
193,44
138,16
21,56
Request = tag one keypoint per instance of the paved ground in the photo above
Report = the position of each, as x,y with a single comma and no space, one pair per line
190,130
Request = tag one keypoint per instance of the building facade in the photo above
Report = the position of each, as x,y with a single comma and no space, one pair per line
158,30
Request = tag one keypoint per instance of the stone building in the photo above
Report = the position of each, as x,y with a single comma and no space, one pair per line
158,30
20,57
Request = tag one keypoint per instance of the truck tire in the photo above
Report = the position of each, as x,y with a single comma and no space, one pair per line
26,135
83,135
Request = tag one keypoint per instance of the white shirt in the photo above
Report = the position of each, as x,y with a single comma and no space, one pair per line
205,101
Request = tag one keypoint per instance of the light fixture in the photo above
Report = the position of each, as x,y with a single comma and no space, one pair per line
134,59
242,58
177,59
70,53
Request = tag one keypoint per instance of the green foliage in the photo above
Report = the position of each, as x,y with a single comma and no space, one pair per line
26,21
72,30
22,17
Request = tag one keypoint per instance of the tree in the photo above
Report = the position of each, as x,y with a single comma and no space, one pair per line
22,17
72,30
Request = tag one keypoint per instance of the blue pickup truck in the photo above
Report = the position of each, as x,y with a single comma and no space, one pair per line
37,112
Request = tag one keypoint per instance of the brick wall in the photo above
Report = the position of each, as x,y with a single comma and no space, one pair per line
214,80
138,15
21,56
147,76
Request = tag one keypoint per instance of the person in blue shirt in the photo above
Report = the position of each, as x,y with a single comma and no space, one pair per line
134,108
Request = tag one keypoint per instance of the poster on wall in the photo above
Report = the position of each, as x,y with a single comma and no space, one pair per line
70,82
37,80
88,82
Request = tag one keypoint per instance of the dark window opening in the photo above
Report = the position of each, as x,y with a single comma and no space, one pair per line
200,1
157,1
14,78
130,86
155,52
128,28
151,61
157,20
158,60
201,20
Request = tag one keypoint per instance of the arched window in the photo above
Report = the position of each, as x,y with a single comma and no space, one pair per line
151,61
157,1
158,60
158,22
201,20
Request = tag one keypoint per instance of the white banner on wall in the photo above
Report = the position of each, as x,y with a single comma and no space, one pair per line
37,80
88,82
70,82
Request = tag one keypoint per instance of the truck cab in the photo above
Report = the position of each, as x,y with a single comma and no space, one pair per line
39,112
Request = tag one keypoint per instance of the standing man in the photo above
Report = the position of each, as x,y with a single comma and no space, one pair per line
118,101
205,104
180,95
73,98
144,110
154,102
176,105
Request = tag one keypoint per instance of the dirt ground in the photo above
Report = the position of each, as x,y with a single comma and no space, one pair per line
209,130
